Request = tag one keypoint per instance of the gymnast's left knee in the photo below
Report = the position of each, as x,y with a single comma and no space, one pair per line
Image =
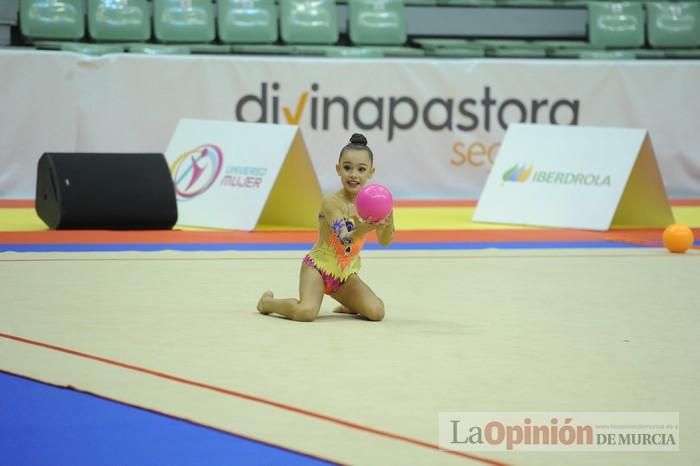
376,311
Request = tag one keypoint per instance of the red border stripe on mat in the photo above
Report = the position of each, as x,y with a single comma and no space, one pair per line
308,237
685,202
253,398
16,204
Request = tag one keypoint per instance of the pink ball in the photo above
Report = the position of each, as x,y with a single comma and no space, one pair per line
374,203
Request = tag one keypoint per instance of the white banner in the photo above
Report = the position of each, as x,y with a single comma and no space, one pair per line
435,125
235,175
575,177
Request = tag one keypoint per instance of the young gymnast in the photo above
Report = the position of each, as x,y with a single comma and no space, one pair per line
332,265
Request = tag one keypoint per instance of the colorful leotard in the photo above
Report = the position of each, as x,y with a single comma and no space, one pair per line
334,259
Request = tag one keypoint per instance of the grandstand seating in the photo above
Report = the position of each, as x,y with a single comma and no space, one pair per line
597,29
183,21
119,21
616,24
674,24
247,21
377,22
309,22
58,20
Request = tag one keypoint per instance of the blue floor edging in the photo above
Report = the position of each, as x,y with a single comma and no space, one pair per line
44,425
122,247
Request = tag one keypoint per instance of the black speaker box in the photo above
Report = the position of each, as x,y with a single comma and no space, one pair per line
79,191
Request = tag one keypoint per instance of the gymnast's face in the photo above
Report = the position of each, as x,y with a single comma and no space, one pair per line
354,169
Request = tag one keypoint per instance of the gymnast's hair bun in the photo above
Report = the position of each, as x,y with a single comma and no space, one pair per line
358,139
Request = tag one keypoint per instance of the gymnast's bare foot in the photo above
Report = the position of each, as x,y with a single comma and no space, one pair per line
343,310
265,296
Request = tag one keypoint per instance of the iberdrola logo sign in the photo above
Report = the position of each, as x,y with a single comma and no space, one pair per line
522,173
518,173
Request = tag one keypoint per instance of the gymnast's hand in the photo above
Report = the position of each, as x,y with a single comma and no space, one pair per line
388,220
366,226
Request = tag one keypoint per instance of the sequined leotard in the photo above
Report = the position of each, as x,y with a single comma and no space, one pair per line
334,258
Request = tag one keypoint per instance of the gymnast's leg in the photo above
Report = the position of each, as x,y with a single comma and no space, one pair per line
304,309
356,297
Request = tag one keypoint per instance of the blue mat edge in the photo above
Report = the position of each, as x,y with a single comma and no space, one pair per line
138,247
165,416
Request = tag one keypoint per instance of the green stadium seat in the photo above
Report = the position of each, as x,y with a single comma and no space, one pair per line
682,53
649,53
562,44
57,19
563,52
49,44
564,48
91,49
482,3
247,21
353,52
501,42
310,49
309,22
571,3
158,49
450,48
263,49
406,2
397,51
359,51
456,52
183,21
516,52
528,3
124,20
616,24
607,54
377,22
673,24
494,44
440,43
210,49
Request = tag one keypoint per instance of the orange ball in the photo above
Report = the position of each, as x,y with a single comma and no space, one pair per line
678,238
